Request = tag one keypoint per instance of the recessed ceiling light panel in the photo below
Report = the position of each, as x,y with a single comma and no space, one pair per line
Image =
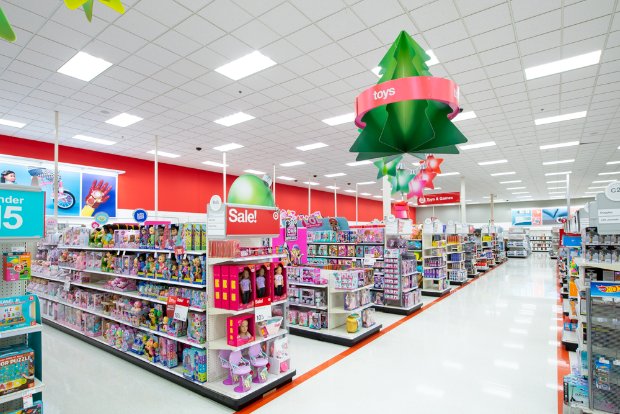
246,66
84,67
563,65
234,119
123,120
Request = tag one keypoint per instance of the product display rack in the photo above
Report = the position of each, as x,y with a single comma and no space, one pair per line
555,243
30,336
470,249
540,241
335,329
434,276
213,388
518,243
455,256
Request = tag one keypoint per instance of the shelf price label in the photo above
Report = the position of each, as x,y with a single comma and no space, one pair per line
262,313
22,212
177,308
27,401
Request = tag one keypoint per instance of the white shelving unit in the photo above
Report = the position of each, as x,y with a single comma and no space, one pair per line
434,277
455,255
518,242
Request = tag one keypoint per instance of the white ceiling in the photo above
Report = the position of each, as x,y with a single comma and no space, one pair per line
164,54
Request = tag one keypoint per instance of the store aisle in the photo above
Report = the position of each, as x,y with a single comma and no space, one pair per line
489,348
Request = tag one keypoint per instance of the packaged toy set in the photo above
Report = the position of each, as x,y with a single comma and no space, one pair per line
305,274
16,266
37,408
239,287
18,312
16,369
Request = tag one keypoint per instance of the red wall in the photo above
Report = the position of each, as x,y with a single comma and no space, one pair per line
182,188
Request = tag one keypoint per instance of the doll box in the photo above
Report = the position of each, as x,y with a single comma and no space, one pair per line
264,287
239,329
241,289
18,312
16,369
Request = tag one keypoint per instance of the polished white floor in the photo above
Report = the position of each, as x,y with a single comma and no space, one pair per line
489,348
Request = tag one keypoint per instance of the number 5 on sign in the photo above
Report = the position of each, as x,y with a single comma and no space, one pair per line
22,212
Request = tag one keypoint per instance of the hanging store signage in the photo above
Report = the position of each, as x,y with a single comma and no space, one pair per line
612,191
441,198
22,212
605,289
290,228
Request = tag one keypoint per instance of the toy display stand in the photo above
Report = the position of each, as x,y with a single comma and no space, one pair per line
540,241
457,271
30,335
518,243
337,315
470,249
434,246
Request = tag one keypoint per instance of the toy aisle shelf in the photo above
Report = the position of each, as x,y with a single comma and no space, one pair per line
435,276
21,331
38,387
136,277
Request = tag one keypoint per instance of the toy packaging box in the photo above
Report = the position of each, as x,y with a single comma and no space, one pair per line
16,369
264,287
37,408
195,364
18,312
239,329
16,266
241,286
280,282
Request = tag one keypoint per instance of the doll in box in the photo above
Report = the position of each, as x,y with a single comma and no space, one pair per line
196,327
319,298
307,297
278,281
351,300
302,319
245,286
314,320
332,250
239,329
261,282
175,238
184,270
197,271
174,269
160,266
150,266
292,317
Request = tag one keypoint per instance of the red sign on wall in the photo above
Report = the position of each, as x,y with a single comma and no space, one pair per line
442,198
250,220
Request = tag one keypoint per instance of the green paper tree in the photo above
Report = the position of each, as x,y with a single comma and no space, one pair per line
6,31
400,182
415,126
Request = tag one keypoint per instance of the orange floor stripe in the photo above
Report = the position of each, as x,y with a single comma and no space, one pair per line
267,398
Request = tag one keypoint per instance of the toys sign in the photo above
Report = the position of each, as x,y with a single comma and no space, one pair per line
441,198
251,220
22,212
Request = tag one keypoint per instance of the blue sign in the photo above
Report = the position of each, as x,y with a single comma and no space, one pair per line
605,289
140,215
22,212
102,217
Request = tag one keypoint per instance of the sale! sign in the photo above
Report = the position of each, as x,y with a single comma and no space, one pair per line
22,212
251,220
441,198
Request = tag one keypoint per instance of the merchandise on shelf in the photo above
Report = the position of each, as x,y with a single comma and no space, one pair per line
37,408
16,266
18,312
16,369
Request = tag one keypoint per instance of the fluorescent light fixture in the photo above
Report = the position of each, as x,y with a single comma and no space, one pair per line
503,173
433,60
432,189
594,192
524,196
560,118
612,162
515,188
609,173
448,173
557,192
560,145
234,119
493,162
356,163
557,188
377,196
254,172
558,173
228,147
563,65
555,196
511,181
365,194
164,154
487,197
367,183
556,181
309,147
84,67
94,140
285,178
13,124
214,164
340,119
245,66
476,146
603,181
124,120
521,192
558,162
597,187
334,175
332,187
464,116
311,183
350,191
292,163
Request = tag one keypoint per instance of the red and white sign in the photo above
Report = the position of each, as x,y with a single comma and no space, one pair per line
441,198
177,308
251,220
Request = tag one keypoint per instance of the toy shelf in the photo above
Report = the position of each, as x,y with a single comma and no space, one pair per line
136,277
127,249
300,305
220,343
436,284
21,331
38,387
338,335
314,285
244,259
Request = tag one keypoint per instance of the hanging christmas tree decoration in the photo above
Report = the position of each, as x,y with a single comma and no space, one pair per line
387,166
409,110
400,182
115,5
6,31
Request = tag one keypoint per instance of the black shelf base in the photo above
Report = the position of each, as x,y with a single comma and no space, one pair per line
570,346
399,311
324,336
436,293
233,403
457,282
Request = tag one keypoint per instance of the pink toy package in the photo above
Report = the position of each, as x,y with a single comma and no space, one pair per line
264,287
240,329
279,282
241,287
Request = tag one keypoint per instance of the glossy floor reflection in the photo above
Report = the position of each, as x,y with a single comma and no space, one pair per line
489,348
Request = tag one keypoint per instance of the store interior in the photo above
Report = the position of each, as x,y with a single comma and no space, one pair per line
277,206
